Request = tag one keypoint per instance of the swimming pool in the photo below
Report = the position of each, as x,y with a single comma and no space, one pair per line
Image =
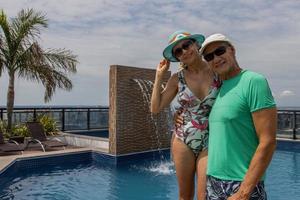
91,175
283,175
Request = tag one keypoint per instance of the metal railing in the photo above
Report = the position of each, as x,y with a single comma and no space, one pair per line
96,117
288,124
67,117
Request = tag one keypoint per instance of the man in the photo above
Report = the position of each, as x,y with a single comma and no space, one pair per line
242,127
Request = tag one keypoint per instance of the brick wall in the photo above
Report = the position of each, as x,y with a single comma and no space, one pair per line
131,127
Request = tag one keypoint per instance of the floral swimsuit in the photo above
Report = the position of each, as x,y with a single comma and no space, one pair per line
195,112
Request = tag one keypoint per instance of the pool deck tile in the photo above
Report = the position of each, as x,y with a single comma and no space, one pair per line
7,159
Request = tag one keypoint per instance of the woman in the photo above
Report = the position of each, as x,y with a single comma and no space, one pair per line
196,87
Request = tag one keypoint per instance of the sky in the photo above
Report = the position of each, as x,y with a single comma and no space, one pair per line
266,35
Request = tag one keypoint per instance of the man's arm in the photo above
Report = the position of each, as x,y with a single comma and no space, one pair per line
265,122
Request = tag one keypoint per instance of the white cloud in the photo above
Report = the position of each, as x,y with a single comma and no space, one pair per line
286,93
134,33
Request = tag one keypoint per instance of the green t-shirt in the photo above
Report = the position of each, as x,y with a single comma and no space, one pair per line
232,136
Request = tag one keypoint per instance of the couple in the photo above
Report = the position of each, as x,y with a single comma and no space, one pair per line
227,119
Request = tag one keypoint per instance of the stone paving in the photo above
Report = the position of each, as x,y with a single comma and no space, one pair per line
36,151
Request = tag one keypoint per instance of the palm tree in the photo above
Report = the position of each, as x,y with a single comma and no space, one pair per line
22,56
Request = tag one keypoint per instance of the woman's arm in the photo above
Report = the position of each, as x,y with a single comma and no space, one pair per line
160,100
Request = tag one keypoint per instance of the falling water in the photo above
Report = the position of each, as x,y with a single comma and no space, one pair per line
165,167
146,88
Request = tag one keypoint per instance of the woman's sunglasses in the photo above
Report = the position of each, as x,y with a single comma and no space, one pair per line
218,52
179,51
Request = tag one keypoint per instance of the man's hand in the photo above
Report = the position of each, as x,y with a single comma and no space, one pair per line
239,196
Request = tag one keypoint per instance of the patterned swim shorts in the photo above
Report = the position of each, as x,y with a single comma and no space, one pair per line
218,189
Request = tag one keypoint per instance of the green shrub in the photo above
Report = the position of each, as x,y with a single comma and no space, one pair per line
3,128
17,130
49,124
20,130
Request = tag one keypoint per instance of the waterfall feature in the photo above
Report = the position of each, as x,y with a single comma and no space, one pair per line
146,90
132,128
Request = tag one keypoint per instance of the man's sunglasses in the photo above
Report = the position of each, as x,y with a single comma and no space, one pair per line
179,51
218,52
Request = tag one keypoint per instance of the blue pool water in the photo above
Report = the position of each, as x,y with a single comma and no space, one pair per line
93,133
93,176
283,175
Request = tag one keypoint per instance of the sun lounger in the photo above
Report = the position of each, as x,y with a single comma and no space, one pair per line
10,146
38,136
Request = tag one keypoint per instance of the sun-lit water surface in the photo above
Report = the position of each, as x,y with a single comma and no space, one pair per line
147,179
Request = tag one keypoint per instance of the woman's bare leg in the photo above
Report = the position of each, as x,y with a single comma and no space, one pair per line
201,175
185,165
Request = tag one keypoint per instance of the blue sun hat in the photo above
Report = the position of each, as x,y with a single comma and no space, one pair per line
176,37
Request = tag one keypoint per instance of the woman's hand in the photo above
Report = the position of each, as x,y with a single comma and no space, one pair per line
162,67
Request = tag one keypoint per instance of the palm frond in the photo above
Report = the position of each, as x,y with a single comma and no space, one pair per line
61,59
4,52
50,69
56,80
5,27
7,39
50,78
28,23
1,56
26,27
28,56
